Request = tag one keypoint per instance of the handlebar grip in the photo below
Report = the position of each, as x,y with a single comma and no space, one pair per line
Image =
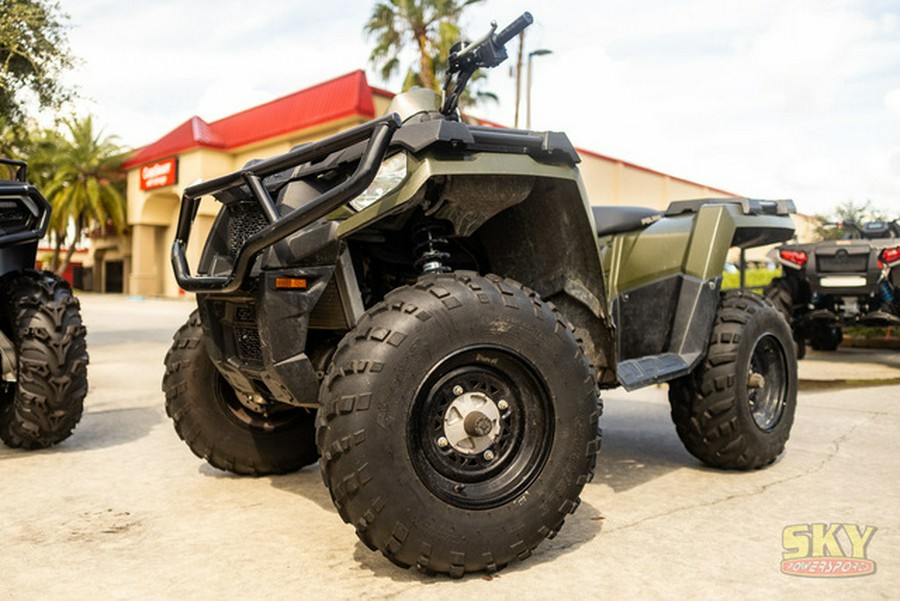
513,29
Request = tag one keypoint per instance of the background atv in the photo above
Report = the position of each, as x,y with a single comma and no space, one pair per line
42,346
447,303
829,285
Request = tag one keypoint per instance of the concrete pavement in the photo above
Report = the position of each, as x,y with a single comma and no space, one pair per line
123,510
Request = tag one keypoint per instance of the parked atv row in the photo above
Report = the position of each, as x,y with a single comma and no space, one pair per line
431,308
827,286
42,339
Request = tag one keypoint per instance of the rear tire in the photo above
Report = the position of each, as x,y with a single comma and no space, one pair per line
736,409
826,338
217,427
452,349
782,292
45,403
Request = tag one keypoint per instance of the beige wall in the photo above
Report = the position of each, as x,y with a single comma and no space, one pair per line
610,182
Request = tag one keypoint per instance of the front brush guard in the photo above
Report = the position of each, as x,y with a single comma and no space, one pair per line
378,133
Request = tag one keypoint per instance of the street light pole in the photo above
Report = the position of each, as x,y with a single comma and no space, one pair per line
533,53
519,76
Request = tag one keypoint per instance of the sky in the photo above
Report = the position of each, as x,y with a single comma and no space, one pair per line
768,98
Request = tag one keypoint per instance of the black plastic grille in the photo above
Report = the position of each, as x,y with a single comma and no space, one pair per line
245,333
245,220
13,216
248,343
245,314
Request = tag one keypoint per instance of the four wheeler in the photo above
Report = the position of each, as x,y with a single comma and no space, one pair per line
829,285
42,340
432,307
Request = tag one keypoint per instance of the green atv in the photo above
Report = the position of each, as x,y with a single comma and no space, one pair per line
432,307
42,339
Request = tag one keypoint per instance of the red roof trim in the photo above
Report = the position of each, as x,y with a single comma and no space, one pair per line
339,98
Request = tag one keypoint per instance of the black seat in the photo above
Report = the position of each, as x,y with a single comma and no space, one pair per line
612,220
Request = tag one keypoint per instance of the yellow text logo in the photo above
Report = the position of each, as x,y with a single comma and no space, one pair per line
826,550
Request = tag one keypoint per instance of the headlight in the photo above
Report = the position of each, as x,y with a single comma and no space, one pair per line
391,173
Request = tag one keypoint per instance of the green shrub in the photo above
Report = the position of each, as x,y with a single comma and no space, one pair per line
756,278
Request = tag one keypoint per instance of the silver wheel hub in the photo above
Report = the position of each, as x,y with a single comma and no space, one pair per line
471,423
254,403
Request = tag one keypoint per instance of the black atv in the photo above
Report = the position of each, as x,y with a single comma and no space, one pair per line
432,308
42,339
829,285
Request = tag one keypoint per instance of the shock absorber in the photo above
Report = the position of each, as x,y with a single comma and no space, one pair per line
430,246
886,292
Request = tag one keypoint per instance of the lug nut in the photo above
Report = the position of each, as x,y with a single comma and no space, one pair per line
443,442
502,405
488,455
458,390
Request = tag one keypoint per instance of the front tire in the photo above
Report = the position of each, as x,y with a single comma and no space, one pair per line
458,424
43,405
234,436
736,409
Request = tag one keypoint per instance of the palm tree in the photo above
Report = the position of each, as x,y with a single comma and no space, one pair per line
84,187
430,25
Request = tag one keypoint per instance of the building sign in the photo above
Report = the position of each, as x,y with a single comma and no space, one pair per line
159,174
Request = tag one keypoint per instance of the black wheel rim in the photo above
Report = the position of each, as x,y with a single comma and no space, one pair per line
767,382
515,456
267,418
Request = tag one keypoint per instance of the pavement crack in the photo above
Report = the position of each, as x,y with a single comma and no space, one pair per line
834,449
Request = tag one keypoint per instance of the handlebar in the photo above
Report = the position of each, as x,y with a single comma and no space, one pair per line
514,29
486,52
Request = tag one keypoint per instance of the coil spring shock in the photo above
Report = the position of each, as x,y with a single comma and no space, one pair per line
886,292
429,245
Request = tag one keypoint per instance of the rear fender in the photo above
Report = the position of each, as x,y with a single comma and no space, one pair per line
664,281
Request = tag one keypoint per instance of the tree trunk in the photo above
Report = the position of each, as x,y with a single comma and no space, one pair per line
68,258
57,249
426,64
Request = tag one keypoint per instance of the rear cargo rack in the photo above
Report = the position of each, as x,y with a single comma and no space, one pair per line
378,133
749,206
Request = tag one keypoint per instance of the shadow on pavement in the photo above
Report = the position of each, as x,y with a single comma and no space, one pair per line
580,528
639,445
886,358
100,430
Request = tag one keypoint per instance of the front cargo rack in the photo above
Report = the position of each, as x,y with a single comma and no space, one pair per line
378,133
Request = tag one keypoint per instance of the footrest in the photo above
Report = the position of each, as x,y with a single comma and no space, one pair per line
653,369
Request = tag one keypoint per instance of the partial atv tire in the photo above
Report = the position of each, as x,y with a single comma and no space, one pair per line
43,319
826,338
241,437
736,410
782,293
458,424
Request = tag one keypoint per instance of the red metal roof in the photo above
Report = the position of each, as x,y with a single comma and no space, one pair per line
341,97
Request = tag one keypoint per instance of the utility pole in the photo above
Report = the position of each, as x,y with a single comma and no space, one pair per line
532,54
519,75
